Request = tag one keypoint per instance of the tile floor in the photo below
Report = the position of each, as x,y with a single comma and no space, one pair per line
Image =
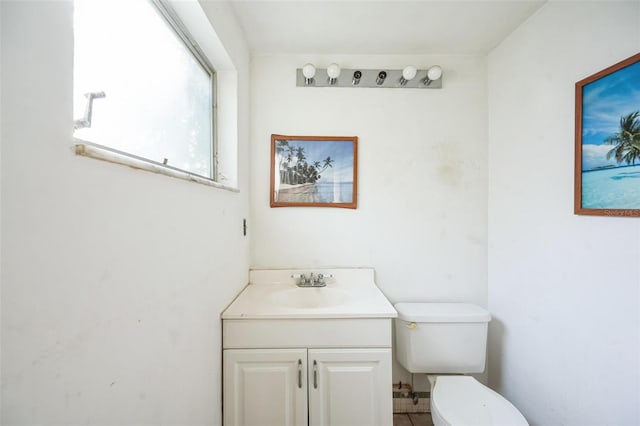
412,419
405,404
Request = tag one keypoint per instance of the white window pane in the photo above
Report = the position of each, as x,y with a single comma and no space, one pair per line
158,98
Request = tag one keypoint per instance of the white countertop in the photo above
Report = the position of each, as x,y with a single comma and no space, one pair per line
273,294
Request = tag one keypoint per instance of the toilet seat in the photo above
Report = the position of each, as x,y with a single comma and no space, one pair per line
462,400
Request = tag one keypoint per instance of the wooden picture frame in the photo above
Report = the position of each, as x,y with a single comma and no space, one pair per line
607,141
314,171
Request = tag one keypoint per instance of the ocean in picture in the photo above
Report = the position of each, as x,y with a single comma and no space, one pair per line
334,192
611,188
610,137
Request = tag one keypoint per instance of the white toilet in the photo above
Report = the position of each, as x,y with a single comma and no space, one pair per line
451,338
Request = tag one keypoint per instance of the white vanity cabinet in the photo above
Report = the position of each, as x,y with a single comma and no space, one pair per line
316,372
265,387
350,387
296,387
306,357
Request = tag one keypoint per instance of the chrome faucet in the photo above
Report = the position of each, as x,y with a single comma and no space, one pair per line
311,280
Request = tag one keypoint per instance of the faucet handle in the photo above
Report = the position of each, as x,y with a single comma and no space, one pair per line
320,279
303,280
311,280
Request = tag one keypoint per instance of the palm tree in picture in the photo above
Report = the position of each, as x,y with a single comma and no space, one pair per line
282,147
300,157
327,162
293,166
314,172
626,140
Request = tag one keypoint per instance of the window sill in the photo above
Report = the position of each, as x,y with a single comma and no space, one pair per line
98,152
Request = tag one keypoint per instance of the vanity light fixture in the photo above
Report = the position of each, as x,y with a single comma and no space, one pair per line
408,73
434,73
409,77
333,71
357,75
309,71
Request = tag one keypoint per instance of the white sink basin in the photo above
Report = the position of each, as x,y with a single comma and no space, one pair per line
272,294
309,297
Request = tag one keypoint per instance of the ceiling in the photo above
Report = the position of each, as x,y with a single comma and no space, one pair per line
380,26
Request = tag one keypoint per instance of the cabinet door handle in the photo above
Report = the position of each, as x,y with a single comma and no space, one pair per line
300,374
315,374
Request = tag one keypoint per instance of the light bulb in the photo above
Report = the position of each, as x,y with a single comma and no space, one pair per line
333,71
434,73
308,70
409,72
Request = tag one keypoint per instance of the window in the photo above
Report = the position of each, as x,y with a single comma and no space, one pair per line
142,87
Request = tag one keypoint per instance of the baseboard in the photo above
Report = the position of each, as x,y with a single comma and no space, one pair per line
404,402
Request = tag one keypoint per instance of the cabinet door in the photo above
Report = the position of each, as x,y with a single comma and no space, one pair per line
350,387
265,387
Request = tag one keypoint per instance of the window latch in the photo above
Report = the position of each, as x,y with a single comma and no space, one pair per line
85,121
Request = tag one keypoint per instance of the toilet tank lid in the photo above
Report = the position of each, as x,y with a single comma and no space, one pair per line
441,312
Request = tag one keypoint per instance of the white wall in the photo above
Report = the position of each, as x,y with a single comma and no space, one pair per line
1,133
563,289
113,279
421,216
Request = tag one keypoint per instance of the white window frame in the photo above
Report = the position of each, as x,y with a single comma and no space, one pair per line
105,153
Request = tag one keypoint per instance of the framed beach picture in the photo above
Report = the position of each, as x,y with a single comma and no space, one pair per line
314,171
607,146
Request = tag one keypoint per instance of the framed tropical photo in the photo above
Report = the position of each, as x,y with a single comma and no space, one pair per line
607,146
314,171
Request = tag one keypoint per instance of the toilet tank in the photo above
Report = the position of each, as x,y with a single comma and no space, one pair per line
441,337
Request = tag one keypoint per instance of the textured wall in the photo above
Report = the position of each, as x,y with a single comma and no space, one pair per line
563,289
113,279
421,216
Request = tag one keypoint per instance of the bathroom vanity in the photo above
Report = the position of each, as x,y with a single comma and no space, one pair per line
308,355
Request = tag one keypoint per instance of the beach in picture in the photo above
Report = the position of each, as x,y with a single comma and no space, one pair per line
611,141
313,171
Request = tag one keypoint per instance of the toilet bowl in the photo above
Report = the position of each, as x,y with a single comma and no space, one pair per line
462,400
451,338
